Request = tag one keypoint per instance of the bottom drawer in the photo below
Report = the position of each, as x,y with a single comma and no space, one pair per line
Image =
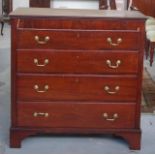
81,115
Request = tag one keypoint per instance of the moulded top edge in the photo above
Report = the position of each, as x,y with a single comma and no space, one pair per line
82,13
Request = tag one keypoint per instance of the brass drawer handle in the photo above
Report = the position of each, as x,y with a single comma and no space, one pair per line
36,61
36,87
109,40
107,89
106,117
118,63
40,114
39,41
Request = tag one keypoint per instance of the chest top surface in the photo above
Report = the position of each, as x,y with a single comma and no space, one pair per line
75,13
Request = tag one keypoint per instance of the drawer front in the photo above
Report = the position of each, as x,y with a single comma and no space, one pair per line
83,115
79,88
78,39
67,61
80,23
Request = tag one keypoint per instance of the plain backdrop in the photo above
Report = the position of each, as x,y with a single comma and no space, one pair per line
82,4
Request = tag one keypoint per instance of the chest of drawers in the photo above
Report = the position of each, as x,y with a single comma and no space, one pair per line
76,72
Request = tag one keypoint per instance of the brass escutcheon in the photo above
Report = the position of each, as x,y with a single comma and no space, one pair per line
36,87
106,116
109,40
40,114
36,61
118,63
39,41
107,89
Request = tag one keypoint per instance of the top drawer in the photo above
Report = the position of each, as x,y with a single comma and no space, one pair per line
80,23
78,39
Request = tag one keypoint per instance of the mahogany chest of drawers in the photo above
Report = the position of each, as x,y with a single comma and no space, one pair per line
76,72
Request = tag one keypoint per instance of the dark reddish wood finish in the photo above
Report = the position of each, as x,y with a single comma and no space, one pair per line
78,114
145,6
76,74
80,24
103,4
76,88
40,3
78,39
77,61
152,48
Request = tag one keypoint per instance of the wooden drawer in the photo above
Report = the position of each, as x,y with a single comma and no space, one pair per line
79,23
78,39
67,61
83,115
80,88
